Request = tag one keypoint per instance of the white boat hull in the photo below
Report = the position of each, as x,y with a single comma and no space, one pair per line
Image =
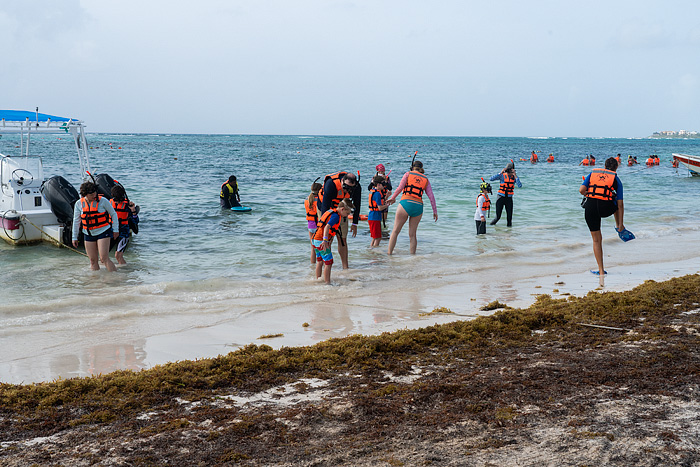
692,163
33,227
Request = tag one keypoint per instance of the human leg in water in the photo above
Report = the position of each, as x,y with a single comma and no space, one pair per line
103,249
500,202
509,210
399,220
412,231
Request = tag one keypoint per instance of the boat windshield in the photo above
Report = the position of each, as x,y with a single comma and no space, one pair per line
25,171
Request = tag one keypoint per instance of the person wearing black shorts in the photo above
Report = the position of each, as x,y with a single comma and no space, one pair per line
603,191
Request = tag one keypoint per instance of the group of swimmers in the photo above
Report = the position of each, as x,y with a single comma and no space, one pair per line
330,203
534,158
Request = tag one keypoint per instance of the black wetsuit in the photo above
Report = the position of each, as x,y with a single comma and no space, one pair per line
229,197
330,192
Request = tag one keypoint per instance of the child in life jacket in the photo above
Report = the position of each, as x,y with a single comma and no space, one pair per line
376,209
328,227
312,215
128,214
483,204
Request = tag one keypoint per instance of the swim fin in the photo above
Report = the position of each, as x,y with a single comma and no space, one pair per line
597,273
625,235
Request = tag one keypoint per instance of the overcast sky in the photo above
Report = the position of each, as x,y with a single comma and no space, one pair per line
465,68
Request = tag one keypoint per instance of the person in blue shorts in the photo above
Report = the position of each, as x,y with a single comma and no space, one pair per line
603,191
328,227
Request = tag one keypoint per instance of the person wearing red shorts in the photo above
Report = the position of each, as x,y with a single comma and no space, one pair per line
374,219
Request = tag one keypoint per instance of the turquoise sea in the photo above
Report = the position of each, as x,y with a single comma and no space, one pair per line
191,258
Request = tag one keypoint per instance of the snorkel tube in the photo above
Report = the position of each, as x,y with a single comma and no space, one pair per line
414,159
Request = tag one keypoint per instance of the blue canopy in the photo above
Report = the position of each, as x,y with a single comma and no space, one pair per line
23,115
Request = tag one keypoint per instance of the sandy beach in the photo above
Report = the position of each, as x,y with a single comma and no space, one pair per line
607,379
227,319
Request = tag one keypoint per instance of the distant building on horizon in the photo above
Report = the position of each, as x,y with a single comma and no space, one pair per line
675,134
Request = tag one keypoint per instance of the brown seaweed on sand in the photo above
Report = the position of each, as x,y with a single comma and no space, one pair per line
528,386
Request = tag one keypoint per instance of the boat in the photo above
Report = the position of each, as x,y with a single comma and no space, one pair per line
692,163
34,209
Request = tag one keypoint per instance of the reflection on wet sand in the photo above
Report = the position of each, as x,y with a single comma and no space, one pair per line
100,359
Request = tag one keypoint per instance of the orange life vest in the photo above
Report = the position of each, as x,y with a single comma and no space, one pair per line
311,212
487,202
592,160
601,185
338,181
90,219
550,159
321,226
373,204
650,161
507,184
674,164
415,186
618,160
585,161
123,211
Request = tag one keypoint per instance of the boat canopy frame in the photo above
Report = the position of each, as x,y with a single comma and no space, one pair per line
25,123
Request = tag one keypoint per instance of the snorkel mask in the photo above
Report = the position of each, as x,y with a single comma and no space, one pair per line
486,187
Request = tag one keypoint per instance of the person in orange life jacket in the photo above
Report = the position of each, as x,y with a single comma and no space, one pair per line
508,179
533,157
631,160
413,184
591,159
328,227
336,187
377,207
98,220
550,158
381,170
127,212
657,161
585,161
483,203
229,196
603,191
650,161
312,215
619,161
674,164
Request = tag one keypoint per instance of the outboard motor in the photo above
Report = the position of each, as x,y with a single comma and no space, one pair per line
62,196
104,185
60,193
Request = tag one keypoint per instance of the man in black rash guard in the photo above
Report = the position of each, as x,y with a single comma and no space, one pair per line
335,188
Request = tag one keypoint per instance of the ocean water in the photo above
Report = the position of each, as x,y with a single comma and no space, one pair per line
194,264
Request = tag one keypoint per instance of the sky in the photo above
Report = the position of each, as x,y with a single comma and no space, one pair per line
341,67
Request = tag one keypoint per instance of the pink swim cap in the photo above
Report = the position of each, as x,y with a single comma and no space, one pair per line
380,168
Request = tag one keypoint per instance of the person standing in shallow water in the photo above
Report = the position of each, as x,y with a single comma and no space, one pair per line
413,184
603,191
504,198
337,187
99,222
483,204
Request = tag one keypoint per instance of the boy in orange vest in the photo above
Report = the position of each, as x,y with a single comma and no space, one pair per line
328,227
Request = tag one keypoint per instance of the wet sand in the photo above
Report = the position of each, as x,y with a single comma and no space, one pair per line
347,308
